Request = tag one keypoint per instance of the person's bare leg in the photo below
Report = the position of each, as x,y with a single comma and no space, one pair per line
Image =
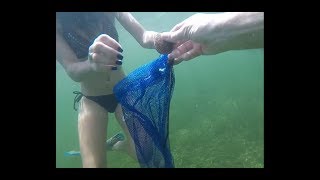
128,144
92,127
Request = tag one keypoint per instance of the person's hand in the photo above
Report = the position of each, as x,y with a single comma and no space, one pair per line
210,34
105,54
193,37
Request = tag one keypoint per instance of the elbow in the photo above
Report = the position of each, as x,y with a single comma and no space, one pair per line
76,79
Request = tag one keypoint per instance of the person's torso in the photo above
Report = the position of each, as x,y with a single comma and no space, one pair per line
80,39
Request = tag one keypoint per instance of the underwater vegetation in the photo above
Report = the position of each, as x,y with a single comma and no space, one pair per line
229,137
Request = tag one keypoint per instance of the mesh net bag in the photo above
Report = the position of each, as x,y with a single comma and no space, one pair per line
145,96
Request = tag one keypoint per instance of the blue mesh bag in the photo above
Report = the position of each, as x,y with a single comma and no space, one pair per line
145,96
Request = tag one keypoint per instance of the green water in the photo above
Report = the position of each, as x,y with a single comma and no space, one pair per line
216,113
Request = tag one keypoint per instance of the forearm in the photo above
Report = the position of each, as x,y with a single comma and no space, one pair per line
143,37
79,71
243,30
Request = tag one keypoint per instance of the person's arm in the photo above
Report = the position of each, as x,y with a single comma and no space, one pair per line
143,37
210,34
76,70
245,30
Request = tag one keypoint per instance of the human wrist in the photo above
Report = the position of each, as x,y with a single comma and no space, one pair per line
88,66
149,39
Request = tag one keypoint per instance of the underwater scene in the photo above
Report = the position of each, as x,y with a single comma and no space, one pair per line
216,117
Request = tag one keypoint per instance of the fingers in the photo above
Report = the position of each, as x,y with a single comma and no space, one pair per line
189,55
106,51
176,61
185,52
183,48
109,41
176,27
174,36
104,54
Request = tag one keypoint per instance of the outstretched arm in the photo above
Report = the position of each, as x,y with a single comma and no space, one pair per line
209,34
144,38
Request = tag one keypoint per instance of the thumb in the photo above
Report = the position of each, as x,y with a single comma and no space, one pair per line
173,36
